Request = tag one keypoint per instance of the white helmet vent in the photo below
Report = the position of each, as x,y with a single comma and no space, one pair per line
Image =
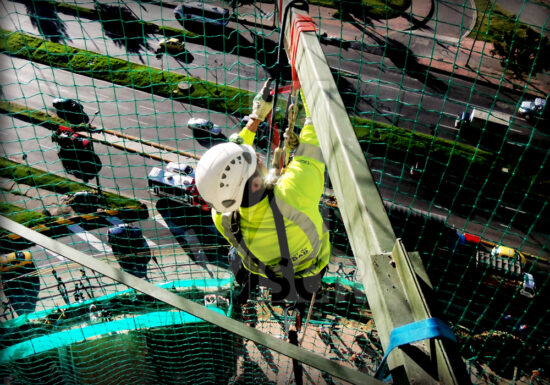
222,174
247,157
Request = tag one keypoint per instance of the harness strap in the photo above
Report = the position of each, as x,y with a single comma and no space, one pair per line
287,268
231,222
308,227
231,225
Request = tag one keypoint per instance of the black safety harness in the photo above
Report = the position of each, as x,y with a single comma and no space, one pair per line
287,268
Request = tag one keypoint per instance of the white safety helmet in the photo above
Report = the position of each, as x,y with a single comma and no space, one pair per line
222,173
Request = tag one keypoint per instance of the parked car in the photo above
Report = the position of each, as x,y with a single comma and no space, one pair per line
130,249
532,109
16,260
76,154
68,139
70,110
176,181
199,12
83,202
21,281
200,124
172,45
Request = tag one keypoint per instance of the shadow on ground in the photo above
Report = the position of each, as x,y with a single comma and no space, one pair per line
404,59
123,27
43,16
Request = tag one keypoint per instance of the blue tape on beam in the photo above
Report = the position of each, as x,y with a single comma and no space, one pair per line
416,331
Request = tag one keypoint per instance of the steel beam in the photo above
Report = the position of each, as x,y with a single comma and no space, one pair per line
389,277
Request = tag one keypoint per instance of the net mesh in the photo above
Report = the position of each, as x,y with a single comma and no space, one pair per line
438,94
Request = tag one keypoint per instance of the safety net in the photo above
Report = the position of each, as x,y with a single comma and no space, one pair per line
107,106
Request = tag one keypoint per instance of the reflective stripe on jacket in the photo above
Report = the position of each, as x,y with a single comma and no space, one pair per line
297,195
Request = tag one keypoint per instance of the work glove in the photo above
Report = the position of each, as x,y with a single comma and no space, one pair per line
262,103
291,139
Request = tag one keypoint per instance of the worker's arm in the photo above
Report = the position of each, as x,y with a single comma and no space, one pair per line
261,107
304,177
252,124
248,133
308,136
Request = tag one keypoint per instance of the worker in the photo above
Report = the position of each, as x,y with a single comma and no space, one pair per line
231,178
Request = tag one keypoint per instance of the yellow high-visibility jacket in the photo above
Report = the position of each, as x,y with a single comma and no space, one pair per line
297,194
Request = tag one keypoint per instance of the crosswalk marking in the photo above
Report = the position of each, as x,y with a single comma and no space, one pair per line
94,241
103,247
150,242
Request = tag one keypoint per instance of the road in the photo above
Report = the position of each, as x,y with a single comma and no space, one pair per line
396,99
413,99
126,172
398,187
92,35
418,100
534,13
406,98
409,96
132,112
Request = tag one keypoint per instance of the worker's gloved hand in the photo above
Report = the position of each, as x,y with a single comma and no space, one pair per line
260,108
291,139
262,103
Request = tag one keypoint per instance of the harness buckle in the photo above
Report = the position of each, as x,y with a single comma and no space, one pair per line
235,223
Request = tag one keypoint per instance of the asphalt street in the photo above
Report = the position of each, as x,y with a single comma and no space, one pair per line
92,35
400,97
136,113
413,98
176,265
395,100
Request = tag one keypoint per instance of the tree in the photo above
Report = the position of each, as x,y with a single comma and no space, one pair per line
523,51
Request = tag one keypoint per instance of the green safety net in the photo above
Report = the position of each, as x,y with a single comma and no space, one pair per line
446,100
